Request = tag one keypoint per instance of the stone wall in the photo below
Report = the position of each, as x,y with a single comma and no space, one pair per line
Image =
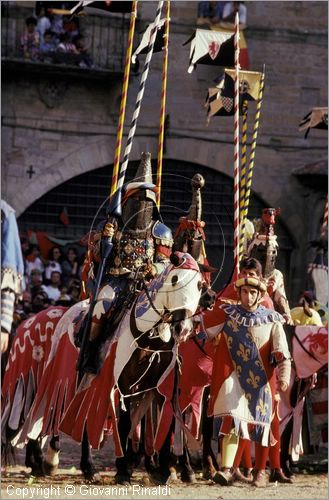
78,133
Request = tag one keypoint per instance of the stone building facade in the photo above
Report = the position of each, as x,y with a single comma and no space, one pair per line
57,125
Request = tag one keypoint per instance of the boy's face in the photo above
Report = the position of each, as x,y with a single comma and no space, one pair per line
249,297
248,273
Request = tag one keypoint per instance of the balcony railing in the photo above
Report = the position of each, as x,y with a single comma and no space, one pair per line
105,37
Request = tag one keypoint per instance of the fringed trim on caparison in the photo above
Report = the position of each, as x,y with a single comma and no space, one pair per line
260,317
260,432
11,280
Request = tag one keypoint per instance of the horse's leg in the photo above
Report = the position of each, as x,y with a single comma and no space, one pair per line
187,473
124,472
86,463
33,457
209,462
51,460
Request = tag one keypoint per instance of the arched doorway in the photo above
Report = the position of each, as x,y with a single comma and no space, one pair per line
83,195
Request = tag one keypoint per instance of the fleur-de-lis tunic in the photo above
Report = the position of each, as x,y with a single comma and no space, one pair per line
243,381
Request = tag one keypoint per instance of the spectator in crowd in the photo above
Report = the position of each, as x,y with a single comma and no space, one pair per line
43,23
210,12
65,45
71,27
64,299
57,25
30,41
26,249
229,11
70,266
82,48
54,263
53,289
34,260
40,301
74,290
48,45
35,281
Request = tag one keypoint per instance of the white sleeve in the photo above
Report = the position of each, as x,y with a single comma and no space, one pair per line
279,341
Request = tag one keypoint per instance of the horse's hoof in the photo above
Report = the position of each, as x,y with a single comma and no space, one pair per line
208,473
123,479
49,469
93,477
188,478
159,479
37,471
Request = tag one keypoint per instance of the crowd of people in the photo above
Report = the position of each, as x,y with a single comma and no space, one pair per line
222,13
52,281
50,37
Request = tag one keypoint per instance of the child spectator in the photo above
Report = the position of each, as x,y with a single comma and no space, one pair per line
30,41
49,43
70,266
53,289
65,45
54,264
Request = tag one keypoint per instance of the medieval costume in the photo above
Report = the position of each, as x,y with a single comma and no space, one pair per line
264,247
251,343
141,248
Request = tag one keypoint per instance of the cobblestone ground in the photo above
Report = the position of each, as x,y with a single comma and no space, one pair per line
16,483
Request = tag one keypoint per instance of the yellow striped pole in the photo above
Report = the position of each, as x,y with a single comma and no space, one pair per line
122,111
252,156
243,165
163,103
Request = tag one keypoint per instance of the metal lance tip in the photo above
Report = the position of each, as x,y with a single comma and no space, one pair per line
144,171
195,211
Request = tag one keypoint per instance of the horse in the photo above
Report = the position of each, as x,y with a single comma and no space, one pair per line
160,318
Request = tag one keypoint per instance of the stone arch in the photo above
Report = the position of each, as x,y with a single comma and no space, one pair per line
83,194
98,154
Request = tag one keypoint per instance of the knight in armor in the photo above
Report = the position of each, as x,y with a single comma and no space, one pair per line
264,248
141,248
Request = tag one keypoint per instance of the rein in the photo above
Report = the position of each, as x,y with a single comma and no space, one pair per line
162,316
303,347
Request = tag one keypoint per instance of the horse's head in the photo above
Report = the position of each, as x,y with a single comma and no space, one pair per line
183,287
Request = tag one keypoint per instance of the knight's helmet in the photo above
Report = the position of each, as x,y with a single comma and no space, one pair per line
264,245
190,235
139,197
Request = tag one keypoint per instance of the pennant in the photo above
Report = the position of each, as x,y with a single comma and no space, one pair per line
159,41
101,8
316,118
218,105
211,47
249,82
244,56
63,217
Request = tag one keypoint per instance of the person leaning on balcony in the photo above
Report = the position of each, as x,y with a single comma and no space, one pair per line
30,40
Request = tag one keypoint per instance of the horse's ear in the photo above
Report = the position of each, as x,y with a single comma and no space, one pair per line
175,260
